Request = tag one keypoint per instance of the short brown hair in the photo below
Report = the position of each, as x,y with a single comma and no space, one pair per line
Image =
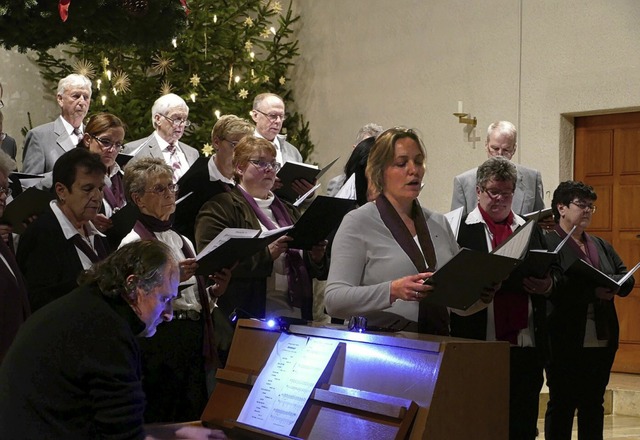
229,125
247,147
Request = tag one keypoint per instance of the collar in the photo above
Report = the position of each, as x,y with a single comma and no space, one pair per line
67,227
262,203
277,141
215,174
162,144
69,128
476,217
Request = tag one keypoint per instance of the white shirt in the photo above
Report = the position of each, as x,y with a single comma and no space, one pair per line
69,231
184,165
74,137
215,174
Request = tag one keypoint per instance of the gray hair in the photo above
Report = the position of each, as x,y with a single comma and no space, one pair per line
138,172
497,168
145,259
166,102
369,130
503,127
74,80
262,96
7,164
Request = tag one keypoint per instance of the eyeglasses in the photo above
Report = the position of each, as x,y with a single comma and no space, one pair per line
273,117
494,194
177,122
264,166
108,144
232,143
6,191
162,189
585,207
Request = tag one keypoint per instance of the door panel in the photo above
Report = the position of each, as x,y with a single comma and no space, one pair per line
607,157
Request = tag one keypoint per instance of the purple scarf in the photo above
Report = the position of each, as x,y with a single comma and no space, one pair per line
432,318
298,279
115,194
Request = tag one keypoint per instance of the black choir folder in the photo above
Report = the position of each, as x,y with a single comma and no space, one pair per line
584,270
31,202
291,171
233,245
318,221
460,282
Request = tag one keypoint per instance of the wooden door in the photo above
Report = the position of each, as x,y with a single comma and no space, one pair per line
607,157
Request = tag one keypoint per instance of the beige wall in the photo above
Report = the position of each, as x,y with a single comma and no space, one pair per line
24,95
536,63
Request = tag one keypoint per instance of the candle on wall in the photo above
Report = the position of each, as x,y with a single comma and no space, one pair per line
459,106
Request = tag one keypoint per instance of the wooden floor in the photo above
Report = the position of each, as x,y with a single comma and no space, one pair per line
624,422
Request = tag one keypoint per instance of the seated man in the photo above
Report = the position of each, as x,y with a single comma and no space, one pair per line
74,369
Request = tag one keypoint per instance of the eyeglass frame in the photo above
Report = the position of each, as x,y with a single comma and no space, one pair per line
263,164
8,191
271,117
583,206
177,122
108,142
172,187
233,143
494,195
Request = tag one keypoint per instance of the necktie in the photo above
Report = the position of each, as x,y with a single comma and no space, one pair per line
174,161
77,132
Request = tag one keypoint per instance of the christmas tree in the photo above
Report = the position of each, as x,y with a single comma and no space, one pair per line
224,55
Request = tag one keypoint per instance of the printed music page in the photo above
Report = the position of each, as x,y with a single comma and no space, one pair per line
286,382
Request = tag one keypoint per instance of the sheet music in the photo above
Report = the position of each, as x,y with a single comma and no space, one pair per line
517,244
183,197
562,243
303,197
224,236
286,382
628,274
454,218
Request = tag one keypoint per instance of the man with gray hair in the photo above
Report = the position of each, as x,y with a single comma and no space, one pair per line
501,141
45,143
169,117
369,130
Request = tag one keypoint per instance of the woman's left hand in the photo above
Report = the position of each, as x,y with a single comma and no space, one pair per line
221,282
102,222
537,286
605,294
317,252
187,269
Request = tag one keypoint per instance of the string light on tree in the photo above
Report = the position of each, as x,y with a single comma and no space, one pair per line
217,113
193,97
103,98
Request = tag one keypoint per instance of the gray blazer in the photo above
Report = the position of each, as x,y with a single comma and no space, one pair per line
528,196
43,145
152,149
8,145
289,152
365,258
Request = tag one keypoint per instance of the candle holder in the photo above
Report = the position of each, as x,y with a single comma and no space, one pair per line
462,118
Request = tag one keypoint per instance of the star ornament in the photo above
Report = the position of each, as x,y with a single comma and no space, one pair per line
161,64
248,46
195,80
277,7
207,149
248,22
282,80
266,33
243,93
84,67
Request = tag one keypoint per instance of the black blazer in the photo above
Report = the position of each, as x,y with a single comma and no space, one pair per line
572,296
475,326
49,262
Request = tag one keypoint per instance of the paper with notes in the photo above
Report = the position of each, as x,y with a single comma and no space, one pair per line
286,382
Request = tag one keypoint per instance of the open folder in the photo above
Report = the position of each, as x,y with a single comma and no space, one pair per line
460,282
584,270
292,171
233,245
31,202
318,221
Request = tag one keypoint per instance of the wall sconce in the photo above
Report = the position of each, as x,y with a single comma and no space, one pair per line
462,118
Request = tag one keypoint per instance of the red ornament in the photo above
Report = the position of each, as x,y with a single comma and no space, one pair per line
186,8
63,9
